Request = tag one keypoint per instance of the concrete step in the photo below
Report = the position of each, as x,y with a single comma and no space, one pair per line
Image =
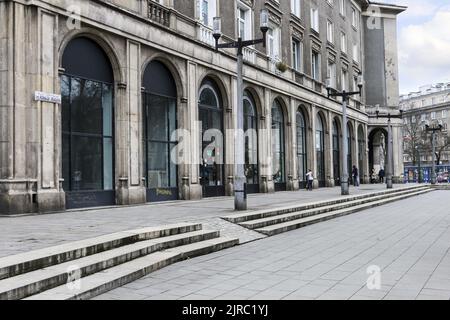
122,274
281,218
30,261
299,223
259,214
34,282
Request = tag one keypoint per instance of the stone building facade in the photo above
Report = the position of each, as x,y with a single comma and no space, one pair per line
431,104
131,72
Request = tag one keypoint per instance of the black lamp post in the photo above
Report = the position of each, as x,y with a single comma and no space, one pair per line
240,195
433,130
390,166
345,98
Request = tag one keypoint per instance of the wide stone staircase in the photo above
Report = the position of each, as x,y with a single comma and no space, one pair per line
87,268
275,221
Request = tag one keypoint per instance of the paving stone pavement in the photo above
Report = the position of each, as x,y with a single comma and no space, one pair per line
26,233
408,240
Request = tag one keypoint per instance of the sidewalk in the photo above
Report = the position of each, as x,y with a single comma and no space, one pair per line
26,233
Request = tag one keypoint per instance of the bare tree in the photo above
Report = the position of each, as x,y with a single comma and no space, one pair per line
413,138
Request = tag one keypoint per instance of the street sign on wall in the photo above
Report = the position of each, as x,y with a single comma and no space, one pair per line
47,97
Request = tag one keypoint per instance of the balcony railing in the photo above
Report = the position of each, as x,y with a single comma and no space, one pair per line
158,13
249,55
205,35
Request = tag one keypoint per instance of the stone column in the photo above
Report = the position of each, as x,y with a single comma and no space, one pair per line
329,151
397,133
193,152
367,170
266,185
291,154
230,123
313,166
130,188
29,130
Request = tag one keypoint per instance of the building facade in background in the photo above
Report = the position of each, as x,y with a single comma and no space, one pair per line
91,93
430,105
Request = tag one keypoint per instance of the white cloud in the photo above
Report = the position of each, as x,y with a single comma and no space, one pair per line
424,51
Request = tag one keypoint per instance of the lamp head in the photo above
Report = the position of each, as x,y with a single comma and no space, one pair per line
217,28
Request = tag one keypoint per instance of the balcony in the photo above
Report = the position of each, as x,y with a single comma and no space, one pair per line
249,55
158,13
205,35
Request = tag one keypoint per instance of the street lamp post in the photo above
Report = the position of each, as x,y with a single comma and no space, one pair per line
345,98
240,194
433,131
390,156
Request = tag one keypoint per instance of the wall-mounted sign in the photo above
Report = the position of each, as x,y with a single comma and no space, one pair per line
47,97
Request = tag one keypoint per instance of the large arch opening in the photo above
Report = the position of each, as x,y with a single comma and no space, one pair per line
378,141
251,143
159,122
320,150
336,152
302,151
87,90
278,147
350,138
211,115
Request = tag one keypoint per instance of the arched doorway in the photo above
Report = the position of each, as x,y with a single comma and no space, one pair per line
320,150
361,153
350,138
251,143
87,125
160,121
278,147
378,141
336,153
302,157
212,170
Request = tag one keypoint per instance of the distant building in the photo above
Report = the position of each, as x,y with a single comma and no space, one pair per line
431,104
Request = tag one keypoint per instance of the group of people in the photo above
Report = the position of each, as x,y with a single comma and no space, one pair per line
310,178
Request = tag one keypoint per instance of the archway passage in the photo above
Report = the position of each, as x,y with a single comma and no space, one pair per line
278,147
302,162
336,153
320,151
350,138
211,115
251,143
378,140
160,123
87,125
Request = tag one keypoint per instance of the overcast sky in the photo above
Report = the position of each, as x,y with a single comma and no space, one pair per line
424,43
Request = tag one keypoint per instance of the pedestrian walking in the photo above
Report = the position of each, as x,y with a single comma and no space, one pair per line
355,176
381,174
310,179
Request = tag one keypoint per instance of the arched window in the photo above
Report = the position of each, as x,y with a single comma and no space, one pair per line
251,142
336,153
87,125
301,148
320,150
160,121
211,116
278,149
